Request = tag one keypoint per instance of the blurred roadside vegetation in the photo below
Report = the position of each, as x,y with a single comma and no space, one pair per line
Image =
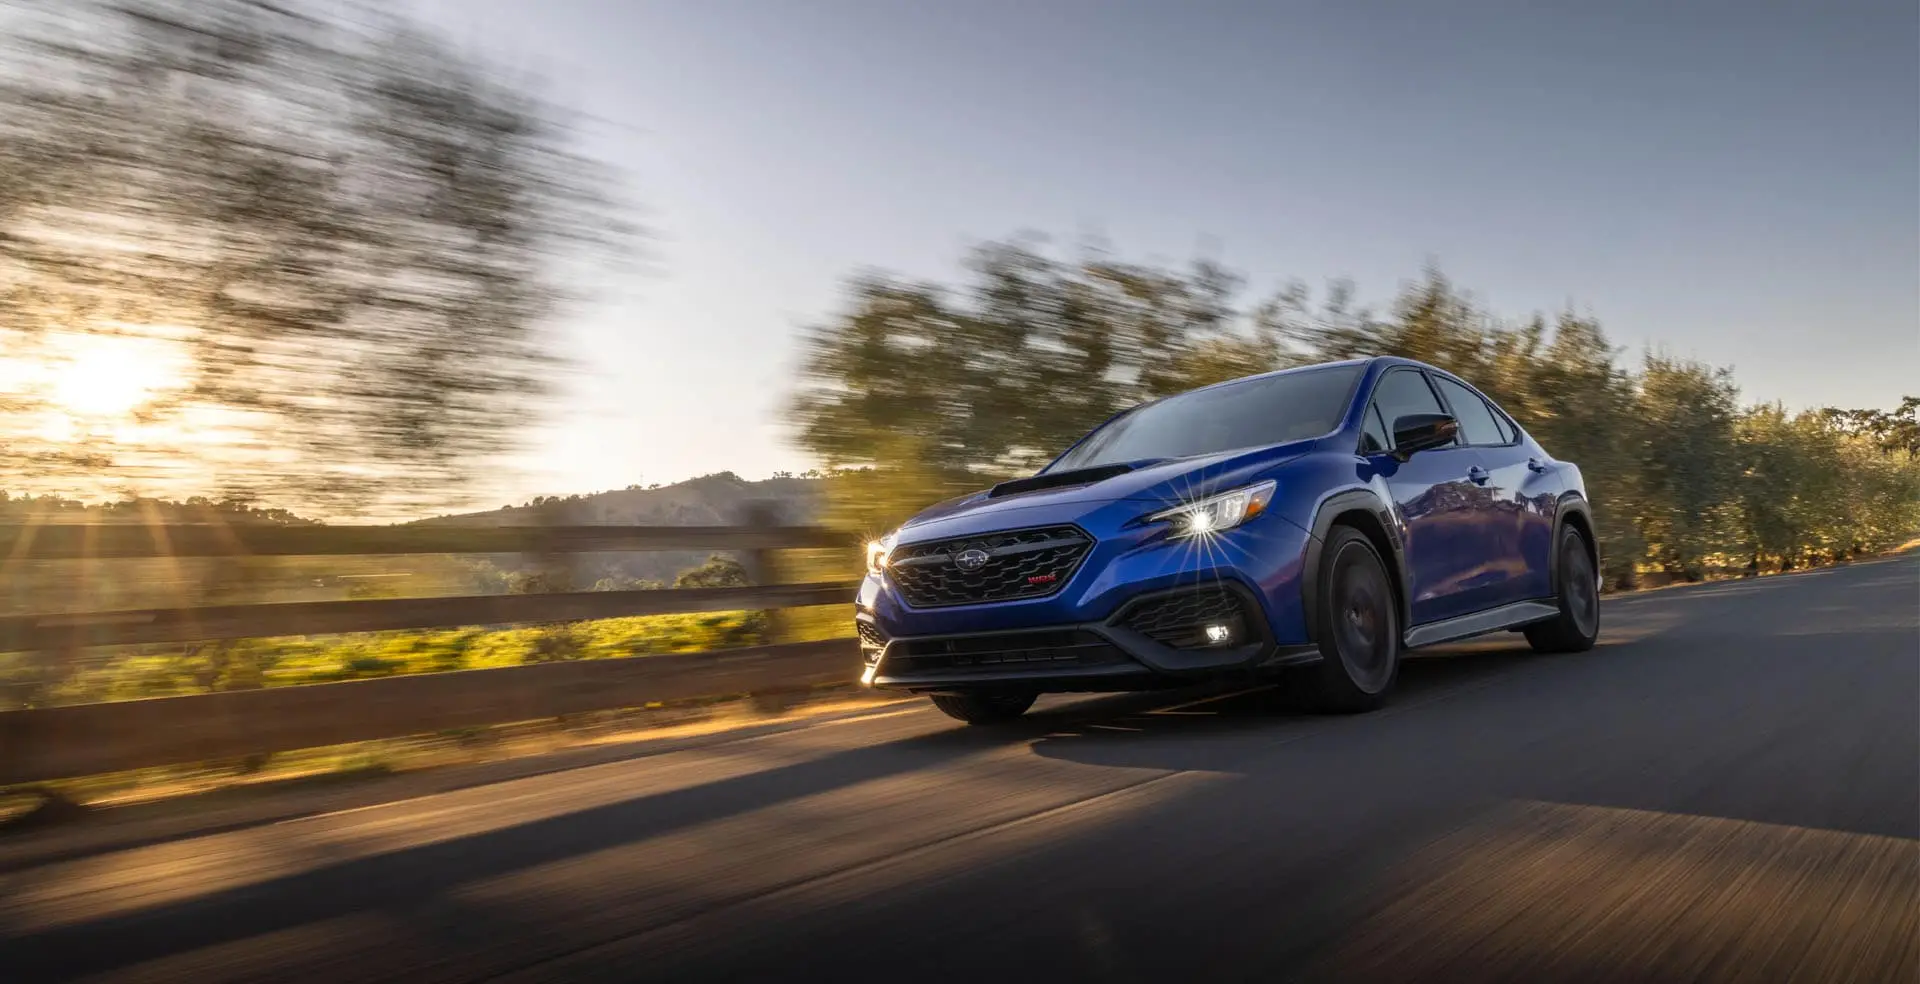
919,391
127,673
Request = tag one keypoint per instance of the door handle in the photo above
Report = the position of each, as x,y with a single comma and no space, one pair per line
1535,465
1477,475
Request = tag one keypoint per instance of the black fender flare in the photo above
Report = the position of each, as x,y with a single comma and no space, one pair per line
1569,505
1364,500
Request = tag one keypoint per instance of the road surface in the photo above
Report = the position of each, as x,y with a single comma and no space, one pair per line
1727,789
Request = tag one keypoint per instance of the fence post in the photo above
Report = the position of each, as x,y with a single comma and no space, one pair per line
556,571
763,568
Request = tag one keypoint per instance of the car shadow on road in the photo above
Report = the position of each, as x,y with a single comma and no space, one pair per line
1189,733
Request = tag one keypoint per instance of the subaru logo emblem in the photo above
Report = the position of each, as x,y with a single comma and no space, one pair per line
971,559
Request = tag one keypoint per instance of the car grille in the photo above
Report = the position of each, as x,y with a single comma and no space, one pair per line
1020,564
1180,621
1042,650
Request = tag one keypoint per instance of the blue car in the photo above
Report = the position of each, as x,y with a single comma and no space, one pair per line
1318,521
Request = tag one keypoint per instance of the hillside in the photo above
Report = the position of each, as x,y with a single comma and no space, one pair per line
711,500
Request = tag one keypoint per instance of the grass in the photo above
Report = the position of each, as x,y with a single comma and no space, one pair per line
129,673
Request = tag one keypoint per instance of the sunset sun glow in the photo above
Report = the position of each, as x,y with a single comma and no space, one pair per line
107,377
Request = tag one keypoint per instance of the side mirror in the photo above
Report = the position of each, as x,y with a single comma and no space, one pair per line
1416,432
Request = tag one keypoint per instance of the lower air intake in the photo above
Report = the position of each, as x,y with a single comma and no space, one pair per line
1042,650
1200,618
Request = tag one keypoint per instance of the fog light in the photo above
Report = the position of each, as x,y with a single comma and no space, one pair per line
1219,633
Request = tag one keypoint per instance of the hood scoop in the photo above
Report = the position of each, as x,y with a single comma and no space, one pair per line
1057,480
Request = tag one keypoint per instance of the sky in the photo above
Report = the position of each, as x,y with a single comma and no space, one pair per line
1738,182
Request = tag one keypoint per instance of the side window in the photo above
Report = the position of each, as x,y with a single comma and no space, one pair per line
1478,425
1373,434
1401,392
1508,432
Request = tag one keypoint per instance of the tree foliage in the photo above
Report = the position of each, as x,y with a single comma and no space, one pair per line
345,236
920,391
718,572
1002,372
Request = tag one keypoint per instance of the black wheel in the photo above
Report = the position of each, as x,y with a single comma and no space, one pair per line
983,708
1359,622
1578,624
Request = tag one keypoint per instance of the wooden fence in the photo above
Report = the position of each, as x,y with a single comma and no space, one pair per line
39,744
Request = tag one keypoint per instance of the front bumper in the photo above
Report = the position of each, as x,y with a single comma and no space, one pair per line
1153,639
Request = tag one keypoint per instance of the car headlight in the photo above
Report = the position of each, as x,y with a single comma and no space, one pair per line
877,552
1221,511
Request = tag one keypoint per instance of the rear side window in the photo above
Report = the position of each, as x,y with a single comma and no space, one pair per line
1478,423
1401,392
1508,431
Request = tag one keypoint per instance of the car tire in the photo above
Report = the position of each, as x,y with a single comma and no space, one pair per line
1359,625
983,708
1578,595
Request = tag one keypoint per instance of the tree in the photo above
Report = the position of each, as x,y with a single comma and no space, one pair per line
339,239
1774,467
1009,367
942,389
717,572
616,581
1892,432
1687,462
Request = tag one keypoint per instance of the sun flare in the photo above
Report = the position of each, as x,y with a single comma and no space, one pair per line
106,377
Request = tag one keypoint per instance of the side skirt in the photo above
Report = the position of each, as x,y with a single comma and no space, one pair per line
1512,616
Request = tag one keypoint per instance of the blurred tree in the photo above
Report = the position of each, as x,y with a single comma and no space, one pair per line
1892,432
717,572
344,236
921,392
619,582
1013,366
917,392
1687,460
1774,466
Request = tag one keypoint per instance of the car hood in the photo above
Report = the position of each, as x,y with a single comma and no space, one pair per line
1157,481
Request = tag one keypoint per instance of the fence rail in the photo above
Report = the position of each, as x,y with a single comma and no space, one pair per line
120,541
39,744
165,625
42,744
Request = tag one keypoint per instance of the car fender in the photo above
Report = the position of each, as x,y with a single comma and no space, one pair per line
1570,504
1365,499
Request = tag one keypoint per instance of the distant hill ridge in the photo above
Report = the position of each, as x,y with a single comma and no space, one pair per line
710,500
719,499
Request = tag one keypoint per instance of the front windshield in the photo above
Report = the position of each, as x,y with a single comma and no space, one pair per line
1269,410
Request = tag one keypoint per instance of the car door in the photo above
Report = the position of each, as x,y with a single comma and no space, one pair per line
1517,531
1435,500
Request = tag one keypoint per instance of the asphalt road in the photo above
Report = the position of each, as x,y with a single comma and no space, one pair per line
1727,789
